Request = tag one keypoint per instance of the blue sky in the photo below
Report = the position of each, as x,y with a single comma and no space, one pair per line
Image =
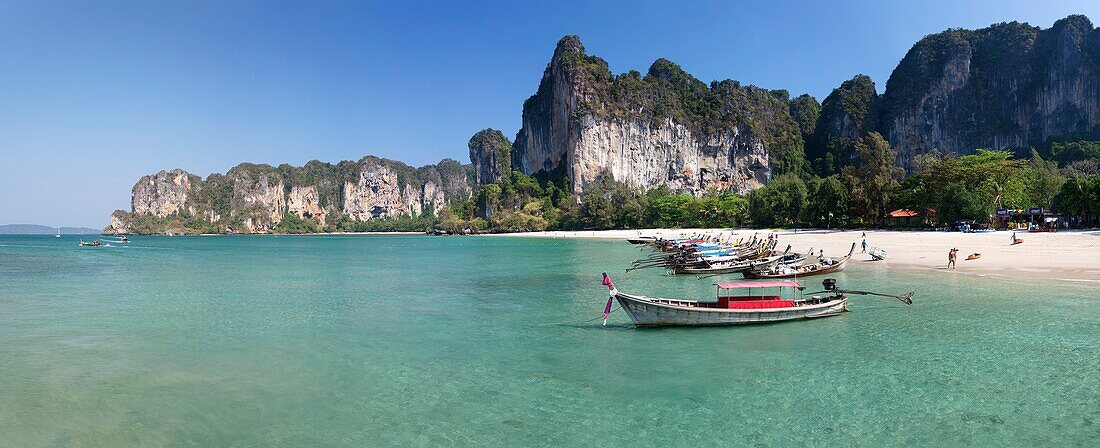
95,94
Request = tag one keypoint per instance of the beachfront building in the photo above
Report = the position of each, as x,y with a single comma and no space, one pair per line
1036,218
904,217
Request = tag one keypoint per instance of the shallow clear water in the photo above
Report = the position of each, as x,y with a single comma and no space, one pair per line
409,340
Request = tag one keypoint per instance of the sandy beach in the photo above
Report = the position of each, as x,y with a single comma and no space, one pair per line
1065,256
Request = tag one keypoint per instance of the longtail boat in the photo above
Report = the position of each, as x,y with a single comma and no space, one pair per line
755,305
692,257
728,267
823,266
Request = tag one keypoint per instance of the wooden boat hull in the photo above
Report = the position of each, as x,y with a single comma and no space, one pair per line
730,269
721,270
839,266
646,312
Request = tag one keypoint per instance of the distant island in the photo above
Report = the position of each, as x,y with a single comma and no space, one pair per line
971,122
34,229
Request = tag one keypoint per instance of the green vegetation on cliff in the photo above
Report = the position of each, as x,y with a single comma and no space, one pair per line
667,92
1025,90
259,198
846,115
966,187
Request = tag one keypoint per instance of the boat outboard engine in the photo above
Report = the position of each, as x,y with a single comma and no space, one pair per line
829,284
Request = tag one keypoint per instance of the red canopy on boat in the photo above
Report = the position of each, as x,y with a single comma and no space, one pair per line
767,284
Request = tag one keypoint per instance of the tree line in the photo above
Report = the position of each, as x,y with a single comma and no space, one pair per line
859,194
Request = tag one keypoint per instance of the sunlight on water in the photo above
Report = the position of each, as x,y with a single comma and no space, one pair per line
376,341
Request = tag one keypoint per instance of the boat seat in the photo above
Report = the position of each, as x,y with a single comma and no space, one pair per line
758,304
743,298
730,302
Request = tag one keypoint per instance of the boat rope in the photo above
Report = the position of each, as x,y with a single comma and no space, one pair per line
575,322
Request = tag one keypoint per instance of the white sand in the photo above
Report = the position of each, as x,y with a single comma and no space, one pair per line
1069,256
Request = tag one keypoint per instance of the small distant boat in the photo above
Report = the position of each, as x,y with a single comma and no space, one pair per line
752,306
58,235
95,243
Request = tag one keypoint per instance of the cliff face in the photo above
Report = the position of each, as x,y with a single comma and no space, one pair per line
163,193
1007,86
667,128
1010,85
253,198
846,115
490,155
373,194
304,202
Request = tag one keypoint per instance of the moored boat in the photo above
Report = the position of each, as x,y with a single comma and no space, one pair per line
823,266
729,267
730,308
755,305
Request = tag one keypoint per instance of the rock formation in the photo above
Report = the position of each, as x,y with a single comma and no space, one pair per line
804,110
304,202
666,128
1010,85
490,155
119,224
373,194
846,115
253,198
163,193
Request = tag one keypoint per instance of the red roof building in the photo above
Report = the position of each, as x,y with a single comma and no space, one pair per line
906,217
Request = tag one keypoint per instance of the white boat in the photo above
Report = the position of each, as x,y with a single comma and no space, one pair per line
728,309
58,235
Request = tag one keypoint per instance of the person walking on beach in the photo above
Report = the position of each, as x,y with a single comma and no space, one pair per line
1013,237
864,244
951,256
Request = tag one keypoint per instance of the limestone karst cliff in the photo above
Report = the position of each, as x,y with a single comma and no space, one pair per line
664,129
490,155
254,198
1008,86
1011,85
846,115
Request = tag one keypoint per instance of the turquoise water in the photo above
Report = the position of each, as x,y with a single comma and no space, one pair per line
428,341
